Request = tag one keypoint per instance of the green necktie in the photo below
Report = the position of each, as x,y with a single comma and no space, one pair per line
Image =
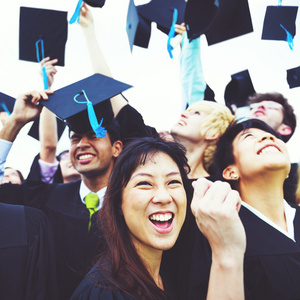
91,202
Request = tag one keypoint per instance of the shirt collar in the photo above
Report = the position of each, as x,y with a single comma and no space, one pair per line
84,190
289,212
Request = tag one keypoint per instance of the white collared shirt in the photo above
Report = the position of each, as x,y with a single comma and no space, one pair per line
289,212
84,190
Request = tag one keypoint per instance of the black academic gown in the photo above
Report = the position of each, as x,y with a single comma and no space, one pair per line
69,219
95,286
27,263
271,265
272,260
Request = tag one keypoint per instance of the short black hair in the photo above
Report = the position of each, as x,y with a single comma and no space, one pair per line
223,156
289,117
113,129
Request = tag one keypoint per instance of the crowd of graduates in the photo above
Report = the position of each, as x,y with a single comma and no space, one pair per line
207,210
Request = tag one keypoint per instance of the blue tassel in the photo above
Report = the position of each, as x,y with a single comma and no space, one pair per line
279,2
3,105
45,78
76,14
97,128
289,38
172,32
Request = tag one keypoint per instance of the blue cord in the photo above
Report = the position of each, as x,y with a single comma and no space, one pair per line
45,78
97,128
172,32
76,14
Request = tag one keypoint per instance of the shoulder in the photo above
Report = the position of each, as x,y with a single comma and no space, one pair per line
95,286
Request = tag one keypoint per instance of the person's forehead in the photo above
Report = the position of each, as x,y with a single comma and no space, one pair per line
10,171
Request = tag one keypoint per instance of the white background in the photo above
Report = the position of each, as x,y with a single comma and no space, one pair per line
155,77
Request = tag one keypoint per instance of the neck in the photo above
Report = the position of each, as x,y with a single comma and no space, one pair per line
152,260
265,194
195,156
95,183
72,178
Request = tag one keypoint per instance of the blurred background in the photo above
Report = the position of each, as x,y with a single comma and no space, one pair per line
156,91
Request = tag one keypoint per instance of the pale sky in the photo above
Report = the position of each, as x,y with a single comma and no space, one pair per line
156,91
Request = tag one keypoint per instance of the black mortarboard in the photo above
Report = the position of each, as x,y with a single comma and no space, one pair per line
138,29
218,20
161,12
70,103
95,3
238,89
42,26
34,129
278,20
6,103
293,77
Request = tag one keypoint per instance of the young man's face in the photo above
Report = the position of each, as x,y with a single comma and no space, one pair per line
92,156
189,125
268,111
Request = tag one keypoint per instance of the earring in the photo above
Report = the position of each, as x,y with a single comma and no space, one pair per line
234,176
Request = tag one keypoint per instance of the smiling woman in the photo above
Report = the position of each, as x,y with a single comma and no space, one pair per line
143,212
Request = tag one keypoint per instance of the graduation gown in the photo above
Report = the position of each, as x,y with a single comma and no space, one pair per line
272,260
95,286
271,264
69,218
27,264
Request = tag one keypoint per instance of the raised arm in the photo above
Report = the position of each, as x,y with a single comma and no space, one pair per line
215,207
97,58
25,110
48,126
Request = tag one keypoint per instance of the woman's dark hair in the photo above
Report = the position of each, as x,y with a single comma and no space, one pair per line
126,270
223,156
289,117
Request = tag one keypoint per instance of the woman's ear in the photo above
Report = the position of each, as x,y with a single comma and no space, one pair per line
231,173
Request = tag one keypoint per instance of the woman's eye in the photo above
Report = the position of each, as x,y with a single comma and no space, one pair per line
144,183
248,135
175,182
197,113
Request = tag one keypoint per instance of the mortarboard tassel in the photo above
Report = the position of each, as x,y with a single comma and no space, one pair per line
76,14
289,38
3,105
45,78
172,32
97,128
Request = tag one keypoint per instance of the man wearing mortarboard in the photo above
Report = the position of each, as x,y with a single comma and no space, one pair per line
95,144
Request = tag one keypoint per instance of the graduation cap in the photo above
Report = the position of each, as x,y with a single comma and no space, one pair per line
34,129
161,12
293,77
279,23
76,15
6,103
138,28
238,89
83,106
219,20
42,33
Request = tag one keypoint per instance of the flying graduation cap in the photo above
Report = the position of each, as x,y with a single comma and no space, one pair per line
6,103
219,20
42,26
76,15
279,24
85,105
160,12
138,28
293,77
238,89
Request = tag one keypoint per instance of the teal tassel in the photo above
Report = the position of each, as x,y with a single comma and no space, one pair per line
172,32
289,38
76,14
